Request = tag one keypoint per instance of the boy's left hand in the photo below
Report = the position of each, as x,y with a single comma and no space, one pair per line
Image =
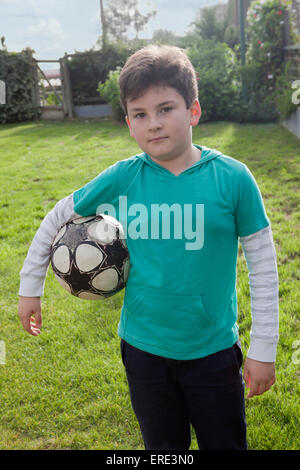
259,376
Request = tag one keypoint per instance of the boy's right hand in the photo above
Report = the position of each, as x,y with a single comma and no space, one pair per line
30,313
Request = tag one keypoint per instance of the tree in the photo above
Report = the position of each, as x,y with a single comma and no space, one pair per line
3,45
164,36
138,19
103,24
208,27
119,16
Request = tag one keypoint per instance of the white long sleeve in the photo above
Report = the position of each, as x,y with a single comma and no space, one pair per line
33,273
260,255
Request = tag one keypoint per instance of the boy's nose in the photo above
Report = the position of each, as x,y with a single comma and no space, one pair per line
154,124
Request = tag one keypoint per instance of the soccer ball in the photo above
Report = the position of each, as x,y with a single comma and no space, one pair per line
89,257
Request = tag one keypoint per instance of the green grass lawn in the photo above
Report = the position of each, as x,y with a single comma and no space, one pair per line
66,389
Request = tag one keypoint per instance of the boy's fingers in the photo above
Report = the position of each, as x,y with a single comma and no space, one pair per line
25,320
269,384
37,319
30,314
247,378
35,332
254,389
36,323
34,329
262,388
31,323
259,388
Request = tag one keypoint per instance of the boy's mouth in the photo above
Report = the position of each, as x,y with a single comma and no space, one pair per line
158,139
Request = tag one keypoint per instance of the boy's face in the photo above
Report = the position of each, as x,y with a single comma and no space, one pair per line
160,122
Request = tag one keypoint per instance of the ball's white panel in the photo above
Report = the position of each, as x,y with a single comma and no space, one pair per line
90,296
126,270
88,257
107,280
81,220
117,224
63,283
59,235
61,259
110,219
102,231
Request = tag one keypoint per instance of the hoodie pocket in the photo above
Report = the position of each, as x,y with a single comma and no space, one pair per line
172,319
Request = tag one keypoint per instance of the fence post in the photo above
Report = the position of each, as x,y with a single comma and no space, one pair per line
67,91
35,88
63,87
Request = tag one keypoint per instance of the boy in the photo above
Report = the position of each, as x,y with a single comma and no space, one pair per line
179,338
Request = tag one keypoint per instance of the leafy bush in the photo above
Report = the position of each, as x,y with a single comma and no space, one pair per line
221,77
52,99
253,106
215,64
111,93
89,68
268,88
17,71
265,39
282,95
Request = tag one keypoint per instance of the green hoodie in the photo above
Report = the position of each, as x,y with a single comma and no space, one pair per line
182,234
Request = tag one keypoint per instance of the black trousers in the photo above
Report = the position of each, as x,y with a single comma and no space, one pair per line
168,396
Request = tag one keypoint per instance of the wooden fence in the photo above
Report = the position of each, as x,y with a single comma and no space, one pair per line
63,92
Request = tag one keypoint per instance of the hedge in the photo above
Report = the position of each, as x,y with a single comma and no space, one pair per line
17,71
89,68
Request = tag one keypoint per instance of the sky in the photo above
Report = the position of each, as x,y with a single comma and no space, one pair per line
53,27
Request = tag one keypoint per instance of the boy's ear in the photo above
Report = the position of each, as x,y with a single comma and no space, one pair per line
195,113
129,126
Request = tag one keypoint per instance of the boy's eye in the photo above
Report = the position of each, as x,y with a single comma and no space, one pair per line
166,109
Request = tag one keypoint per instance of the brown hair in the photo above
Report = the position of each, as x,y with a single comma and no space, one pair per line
158,65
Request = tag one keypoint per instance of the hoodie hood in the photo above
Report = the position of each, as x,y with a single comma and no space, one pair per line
207,154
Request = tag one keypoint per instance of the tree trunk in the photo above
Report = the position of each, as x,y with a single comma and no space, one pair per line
103,23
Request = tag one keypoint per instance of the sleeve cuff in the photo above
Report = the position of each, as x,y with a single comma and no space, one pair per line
262,351
31,286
